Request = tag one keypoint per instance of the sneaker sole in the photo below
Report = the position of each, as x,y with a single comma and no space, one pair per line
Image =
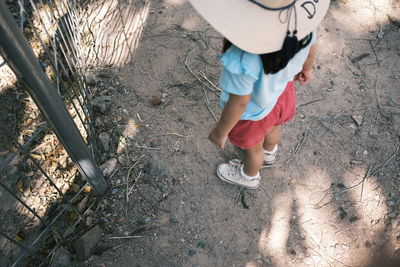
267,165
230,182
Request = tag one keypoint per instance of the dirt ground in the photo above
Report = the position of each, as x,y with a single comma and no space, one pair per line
332,198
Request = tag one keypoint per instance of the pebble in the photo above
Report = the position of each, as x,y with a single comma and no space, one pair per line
392,215
156,101
365,152
394,223
104,141
102,103
331,89
85,245
182,240
114,191
266,259
258,257
390,203
108,167
358,119
192,252
61,258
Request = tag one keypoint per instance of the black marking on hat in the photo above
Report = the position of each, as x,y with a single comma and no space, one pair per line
309,7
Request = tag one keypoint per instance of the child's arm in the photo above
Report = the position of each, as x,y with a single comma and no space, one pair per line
306,74
231,114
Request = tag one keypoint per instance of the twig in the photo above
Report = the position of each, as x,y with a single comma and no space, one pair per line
114,172
369,173
127,182
297,148
208,105
319,251
311,102
210,82
373,50
238,195
180,135
134,182
266,191
146,147
124,237
197,77
140,119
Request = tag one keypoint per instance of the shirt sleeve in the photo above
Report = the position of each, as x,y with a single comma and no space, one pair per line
237,84
240,71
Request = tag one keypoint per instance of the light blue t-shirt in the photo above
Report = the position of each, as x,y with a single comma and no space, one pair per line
243,74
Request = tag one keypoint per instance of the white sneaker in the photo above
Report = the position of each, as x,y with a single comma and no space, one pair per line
269,158
232,173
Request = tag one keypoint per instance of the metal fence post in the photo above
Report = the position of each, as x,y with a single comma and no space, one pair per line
18,54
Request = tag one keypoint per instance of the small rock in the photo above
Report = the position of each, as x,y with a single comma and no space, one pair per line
156,101
108,167
390,203
172,220
301,116
89,221
380,35
104,142
352,126
358,119
266,259
192,252
90,79
156,167
114,191
120,90
392,215
331,89
182,240
102,104
258,257
85,245
98,122
394,223
365,152
61,258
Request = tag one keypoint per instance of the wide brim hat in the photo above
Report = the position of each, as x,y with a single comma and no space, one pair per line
260,26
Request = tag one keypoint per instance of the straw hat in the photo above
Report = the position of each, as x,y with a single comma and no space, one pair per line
260,26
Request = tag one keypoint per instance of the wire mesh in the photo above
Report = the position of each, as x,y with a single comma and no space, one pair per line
44,197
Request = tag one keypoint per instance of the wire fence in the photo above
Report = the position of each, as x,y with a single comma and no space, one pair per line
49,177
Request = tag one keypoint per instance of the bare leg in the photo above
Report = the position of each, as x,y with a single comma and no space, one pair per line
253,161
272,138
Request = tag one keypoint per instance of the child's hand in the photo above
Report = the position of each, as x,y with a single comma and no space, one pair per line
304,76
217,138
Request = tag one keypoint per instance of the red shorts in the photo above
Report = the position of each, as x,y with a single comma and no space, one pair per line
246,133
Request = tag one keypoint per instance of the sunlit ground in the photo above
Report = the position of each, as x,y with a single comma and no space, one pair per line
113,29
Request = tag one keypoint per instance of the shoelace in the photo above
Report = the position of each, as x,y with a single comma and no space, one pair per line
237,164
236,170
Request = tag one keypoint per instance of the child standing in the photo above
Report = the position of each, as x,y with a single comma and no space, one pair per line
261,59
